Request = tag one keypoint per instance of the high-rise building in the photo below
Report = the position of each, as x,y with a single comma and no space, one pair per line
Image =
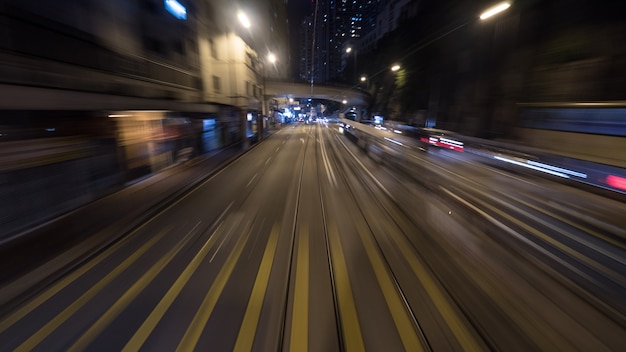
306,49
339,24
334,24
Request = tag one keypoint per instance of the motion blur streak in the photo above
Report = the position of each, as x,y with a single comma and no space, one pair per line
616,181
406,248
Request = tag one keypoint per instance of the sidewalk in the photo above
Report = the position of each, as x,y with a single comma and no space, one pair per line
57,246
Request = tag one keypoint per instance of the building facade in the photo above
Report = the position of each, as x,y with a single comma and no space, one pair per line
158,49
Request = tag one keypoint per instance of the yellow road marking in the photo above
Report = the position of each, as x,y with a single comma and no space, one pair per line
141,335
347,308
404,326
123,302
440,300
53,324
56,288
299,340
192,335
245,338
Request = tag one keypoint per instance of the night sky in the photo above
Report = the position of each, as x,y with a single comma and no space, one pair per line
298,9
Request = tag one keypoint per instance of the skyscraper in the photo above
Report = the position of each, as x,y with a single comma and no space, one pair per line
333,25
305,50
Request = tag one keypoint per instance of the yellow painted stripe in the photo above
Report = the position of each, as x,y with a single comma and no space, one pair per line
53,324
404,326
192,335
299,340
440,300
105,320
56,288
245,338
141,335
350,325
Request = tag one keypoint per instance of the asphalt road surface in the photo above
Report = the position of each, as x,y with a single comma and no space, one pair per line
307,242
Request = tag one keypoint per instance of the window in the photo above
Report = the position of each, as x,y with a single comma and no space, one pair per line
213,49
217,84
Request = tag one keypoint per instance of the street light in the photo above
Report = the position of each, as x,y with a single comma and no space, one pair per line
243,19
365,82
395,67
495,10
271,58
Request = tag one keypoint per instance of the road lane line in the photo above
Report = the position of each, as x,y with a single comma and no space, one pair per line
350,325
141,335
245,338
556,244
455,323
582,241
63,282
70,310
327,160
367,171
439,299
299,340
252,179
196,327
329,171
131,294
228,233
404,326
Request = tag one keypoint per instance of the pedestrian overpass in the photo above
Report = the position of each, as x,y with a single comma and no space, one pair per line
352,96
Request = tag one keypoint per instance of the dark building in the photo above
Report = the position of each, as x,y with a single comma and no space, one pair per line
335,25
305,51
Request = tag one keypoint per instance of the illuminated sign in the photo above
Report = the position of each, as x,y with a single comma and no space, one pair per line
176,9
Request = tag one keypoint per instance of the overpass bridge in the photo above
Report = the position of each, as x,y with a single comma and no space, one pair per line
353,97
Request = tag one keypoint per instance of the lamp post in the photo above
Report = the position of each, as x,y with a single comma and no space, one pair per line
270,59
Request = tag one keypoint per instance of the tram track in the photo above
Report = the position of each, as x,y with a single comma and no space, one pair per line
525,256
388,270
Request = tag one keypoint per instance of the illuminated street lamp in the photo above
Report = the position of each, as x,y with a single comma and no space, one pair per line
348,50
271,58
494,10
243,19
363,78
395,67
